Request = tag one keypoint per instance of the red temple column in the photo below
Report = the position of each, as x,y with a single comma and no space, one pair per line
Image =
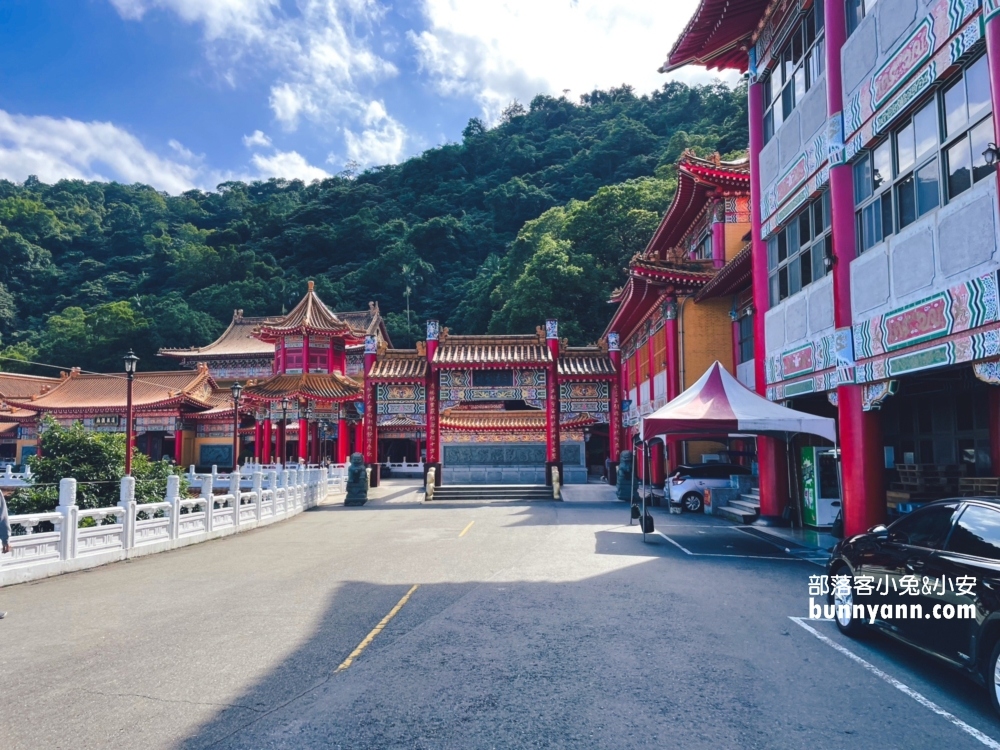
303,437
179,447
614,407
673,374
258,431
359,438
719,233
992,21
993,418
736,336
370,420
279,443
305,353
862,458
553,448
770,451
342,438
656,468
265,455
282,361
330,358
432,401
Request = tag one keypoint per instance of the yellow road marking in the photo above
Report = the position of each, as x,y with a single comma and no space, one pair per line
376,630
466,529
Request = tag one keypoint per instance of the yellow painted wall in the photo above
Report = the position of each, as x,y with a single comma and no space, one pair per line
734,239
707,336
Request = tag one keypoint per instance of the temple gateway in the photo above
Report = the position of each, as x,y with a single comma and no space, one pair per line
320,385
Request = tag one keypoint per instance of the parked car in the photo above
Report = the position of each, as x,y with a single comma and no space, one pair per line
687,485
948,541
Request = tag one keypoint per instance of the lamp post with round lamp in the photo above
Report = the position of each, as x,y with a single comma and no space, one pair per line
130,363
237,390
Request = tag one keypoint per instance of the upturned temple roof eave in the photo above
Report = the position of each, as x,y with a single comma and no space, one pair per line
718,35
322,387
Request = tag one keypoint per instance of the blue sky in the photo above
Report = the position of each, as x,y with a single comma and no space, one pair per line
188,93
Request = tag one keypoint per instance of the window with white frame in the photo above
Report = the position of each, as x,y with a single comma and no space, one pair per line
703,250
746,336
857,10
800,64
796,254
929,158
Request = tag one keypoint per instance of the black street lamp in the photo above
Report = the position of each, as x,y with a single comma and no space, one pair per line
130,363
237,391
284,431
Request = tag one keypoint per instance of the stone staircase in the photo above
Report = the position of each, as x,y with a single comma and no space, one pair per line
746,509
502,493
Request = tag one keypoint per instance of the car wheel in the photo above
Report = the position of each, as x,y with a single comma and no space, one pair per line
691,502
843,612
993,677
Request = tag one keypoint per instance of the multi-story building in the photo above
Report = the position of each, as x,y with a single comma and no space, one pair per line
874,229
686,302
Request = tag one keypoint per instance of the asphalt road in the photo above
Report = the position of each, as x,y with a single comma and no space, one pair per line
542,625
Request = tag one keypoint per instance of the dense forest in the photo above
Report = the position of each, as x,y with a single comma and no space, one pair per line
534,217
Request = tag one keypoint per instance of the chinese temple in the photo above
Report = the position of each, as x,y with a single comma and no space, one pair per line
687,303
496,409
319,385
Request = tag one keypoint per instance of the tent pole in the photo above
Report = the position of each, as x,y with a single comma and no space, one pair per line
645,475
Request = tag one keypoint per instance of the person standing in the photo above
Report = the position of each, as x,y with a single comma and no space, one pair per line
4,533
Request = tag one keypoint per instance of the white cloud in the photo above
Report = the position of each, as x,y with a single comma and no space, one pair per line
256,139
288,165
497,51
57,148
381,141
320,54
60,148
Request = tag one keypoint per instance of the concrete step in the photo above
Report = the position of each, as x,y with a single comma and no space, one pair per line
478,492
745,506
751,498
736,514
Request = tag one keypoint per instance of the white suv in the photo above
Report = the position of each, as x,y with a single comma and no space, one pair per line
687,484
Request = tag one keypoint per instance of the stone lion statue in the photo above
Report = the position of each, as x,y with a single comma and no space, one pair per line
623,488
357,481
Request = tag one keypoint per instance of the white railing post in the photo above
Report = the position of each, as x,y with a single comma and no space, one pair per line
126,501
258,492
174,498
206,493
234,490
67,506
191,476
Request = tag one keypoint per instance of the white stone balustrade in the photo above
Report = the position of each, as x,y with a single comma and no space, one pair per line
84,538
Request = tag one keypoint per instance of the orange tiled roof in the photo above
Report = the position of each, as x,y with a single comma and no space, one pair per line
584,364
467,350
107,392
236,341
516,421
400,363
314,386
16,386
311,315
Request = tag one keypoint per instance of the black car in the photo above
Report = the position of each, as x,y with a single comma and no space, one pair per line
937,576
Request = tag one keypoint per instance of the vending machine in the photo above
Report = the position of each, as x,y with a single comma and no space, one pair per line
820,487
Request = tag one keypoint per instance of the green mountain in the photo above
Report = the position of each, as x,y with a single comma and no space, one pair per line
535,217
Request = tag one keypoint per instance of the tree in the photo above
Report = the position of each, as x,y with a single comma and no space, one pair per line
96,461
94,268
